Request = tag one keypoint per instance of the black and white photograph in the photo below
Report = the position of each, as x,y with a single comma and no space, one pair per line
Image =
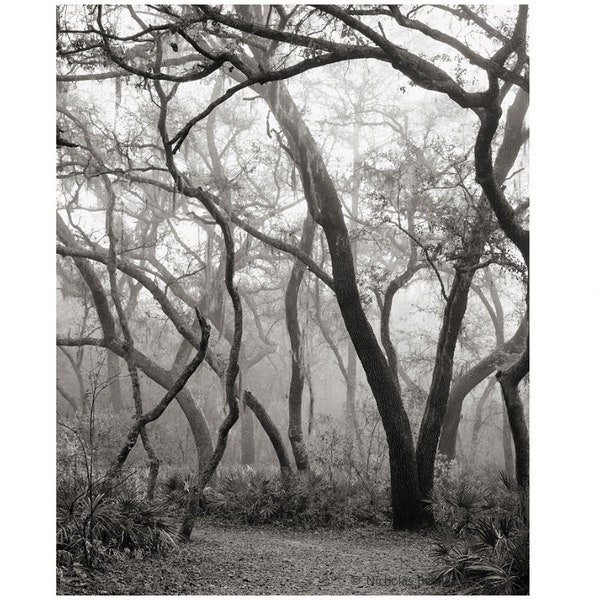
292,300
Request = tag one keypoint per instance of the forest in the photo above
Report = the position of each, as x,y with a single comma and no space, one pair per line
292,299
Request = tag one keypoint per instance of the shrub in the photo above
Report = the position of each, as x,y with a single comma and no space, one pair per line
175,487
310,499
93,523
483,544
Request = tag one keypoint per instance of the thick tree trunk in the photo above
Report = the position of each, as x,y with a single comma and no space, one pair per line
296,389
509,381
507,445
325,207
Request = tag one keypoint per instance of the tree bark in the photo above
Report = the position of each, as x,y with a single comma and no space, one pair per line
325,207
296,389
509,382
472,378
507,445
271,430
490,175
435,408
247,421
162,377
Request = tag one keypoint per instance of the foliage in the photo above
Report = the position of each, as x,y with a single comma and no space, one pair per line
175,487
94,522
483,544
305,499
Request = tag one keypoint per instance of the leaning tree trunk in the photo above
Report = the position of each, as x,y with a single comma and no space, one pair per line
325,207
435,408
467,382
129,345
248,454
153,414
271,430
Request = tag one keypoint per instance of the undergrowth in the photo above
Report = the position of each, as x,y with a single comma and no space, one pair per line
310,500
483,539
93,523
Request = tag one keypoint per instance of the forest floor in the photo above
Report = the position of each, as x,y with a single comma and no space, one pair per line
230,559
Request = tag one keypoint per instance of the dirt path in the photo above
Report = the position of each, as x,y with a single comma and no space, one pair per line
267,560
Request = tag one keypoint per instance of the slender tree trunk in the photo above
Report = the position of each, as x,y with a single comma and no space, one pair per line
247,423
76,366
70,399
160,408
232,371
350,409
114,387
296,389
478,419
467,382
271,430
435,408
128,346
162,377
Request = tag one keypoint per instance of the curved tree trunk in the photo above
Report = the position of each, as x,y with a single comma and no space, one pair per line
325,207
160,408
233,368
295,433
509,381
467,382
162,377
490,175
